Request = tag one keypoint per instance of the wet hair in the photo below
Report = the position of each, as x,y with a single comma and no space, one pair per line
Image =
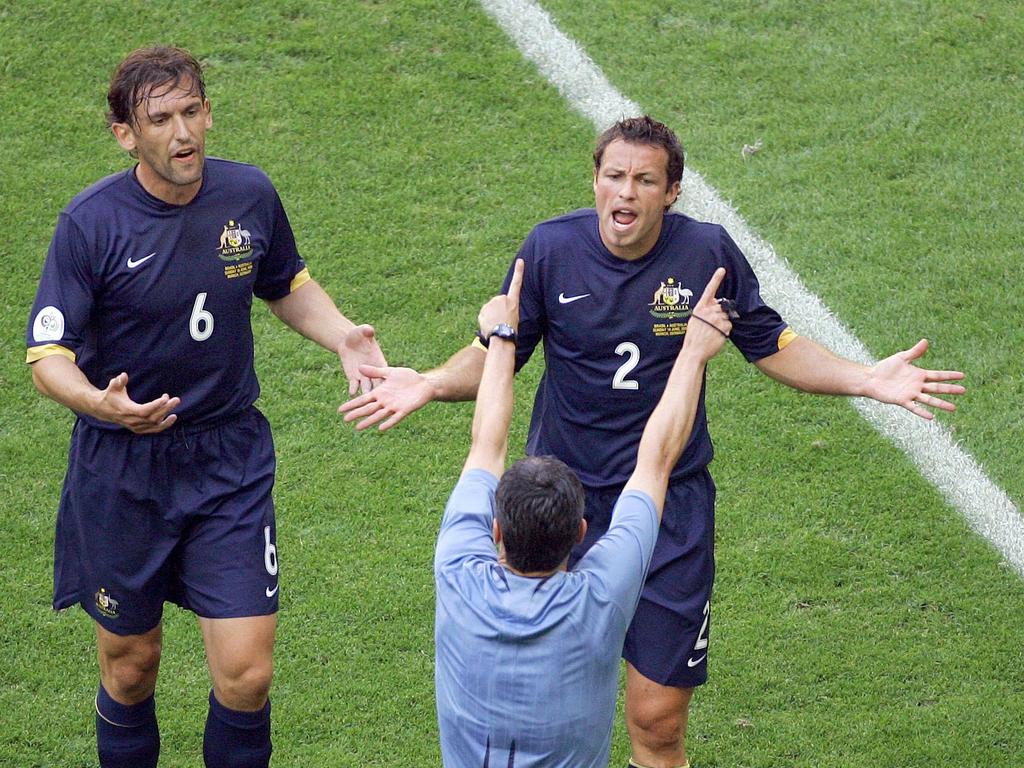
145,70
644,130
539,505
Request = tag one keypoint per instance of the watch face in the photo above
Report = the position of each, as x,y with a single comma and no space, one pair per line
504,331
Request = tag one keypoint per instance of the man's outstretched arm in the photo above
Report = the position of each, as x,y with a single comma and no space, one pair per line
493,412
669,425
60,379
311,312
397,392
809,367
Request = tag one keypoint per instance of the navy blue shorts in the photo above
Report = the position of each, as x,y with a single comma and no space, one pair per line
667,641
183,515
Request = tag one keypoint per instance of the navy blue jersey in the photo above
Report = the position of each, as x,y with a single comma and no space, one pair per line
612,329
164,292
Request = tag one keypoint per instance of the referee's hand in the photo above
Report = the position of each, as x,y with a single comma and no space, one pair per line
503,308
709,325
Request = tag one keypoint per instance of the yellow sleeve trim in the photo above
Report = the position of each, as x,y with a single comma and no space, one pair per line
478,344
786,337
38,353
300,279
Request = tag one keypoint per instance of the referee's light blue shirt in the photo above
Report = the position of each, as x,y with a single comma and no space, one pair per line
526,668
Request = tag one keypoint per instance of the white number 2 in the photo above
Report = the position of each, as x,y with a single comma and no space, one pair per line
702,636
619,381
200,324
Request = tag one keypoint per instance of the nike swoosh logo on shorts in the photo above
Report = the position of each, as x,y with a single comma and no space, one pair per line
563,299
693,663
272,592
133,263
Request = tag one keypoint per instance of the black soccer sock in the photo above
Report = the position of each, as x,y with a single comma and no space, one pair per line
236,739
127,735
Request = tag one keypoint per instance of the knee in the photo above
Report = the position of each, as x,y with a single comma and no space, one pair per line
656,724
244,685
129,675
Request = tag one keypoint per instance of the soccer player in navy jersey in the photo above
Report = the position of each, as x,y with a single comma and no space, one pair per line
527,651
609,291
147,288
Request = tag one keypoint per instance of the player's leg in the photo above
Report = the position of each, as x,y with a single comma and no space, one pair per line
240,655
127,735
112,551
228,576
667,642
656,718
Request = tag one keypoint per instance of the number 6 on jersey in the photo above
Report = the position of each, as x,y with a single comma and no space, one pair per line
200,324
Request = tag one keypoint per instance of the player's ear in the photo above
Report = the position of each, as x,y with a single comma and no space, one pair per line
496,531
125,136
672,193
583,531
209,113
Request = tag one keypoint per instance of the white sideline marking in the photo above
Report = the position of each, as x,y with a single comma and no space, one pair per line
929,445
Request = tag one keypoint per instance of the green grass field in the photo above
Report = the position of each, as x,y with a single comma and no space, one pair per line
858,620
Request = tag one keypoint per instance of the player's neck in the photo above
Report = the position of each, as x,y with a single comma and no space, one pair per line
563,566
633,251
164,190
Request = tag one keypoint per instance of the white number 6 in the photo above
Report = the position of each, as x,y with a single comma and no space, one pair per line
200,324
269,553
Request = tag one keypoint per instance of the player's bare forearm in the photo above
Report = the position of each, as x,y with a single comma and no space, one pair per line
308,310
458,379
810,367
311,312
60,379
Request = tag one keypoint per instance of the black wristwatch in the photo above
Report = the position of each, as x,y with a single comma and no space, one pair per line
501,330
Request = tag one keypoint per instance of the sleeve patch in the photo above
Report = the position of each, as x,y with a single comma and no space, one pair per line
38,353
48,325
786,337
300,279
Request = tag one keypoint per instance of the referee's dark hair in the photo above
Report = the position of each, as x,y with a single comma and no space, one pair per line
644,130
145,70
539,505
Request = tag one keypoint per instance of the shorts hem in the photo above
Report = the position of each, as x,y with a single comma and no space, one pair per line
670,680
235,614
109,624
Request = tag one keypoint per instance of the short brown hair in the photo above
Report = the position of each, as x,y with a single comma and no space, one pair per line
644,130
539,504
145,69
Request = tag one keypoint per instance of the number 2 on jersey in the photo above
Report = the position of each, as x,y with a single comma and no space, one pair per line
200,324
619,380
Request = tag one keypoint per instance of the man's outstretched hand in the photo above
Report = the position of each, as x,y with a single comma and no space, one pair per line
898,381
360,348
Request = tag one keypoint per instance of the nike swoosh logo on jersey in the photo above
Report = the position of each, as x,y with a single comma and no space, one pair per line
694,662
272,592
563,299
133,263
